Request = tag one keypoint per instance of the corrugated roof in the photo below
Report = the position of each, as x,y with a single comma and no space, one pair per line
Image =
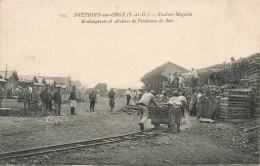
160,69
40,79
58,80
62,86
50,82
26,78
39,84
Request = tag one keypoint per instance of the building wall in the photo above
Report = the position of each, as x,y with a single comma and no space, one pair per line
171,69
155,83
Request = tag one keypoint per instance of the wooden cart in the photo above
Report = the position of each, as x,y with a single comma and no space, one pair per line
162,115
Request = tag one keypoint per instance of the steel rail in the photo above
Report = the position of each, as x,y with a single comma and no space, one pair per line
77,145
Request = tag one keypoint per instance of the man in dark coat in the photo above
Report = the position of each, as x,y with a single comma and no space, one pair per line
57,101
27,99
111,96
9,93
93,100
46,100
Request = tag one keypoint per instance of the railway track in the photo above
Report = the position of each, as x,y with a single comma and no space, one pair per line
78,145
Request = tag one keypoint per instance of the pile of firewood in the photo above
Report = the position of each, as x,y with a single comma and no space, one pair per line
236,104
253,77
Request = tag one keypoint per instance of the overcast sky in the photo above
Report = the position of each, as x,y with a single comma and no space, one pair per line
34,39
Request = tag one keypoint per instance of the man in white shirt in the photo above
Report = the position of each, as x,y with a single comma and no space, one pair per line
143,106
128,96
175,112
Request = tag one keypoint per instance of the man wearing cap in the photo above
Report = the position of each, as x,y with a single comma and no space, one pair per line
45,99
57,101
143,106
73,98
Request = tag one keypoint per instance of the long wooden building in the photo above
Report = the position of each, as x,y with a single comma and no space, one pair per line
153,80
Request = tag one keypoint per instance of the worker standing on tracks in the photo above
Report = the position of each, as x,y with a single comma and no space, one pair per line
45,98
111,96
143,107
73,101
27,95
57,101
93,100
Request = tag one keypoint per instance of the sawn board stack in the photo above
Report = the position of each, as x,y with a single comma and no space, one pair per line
236,104
253,76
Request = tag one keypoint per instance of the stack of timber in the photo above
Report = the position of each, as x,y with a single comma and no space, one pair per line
253,77
236,104
253,74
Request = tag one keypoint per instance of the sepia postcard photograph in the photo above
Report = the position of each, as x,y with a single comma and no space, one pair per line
156,83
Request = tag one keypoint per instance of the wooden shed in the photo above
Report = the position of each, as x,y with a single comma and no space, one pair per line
27,80
153,80
11,80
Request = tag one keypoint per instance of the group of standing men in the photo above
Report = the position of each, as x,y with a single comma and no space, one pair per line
47,98
132,95
189,79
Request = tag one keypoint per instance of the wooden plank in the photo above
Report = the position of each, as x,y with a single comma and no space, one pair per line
234,108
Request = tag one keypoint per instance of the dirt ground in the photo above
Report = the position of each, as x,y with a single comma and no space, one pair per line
193,145
20,133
